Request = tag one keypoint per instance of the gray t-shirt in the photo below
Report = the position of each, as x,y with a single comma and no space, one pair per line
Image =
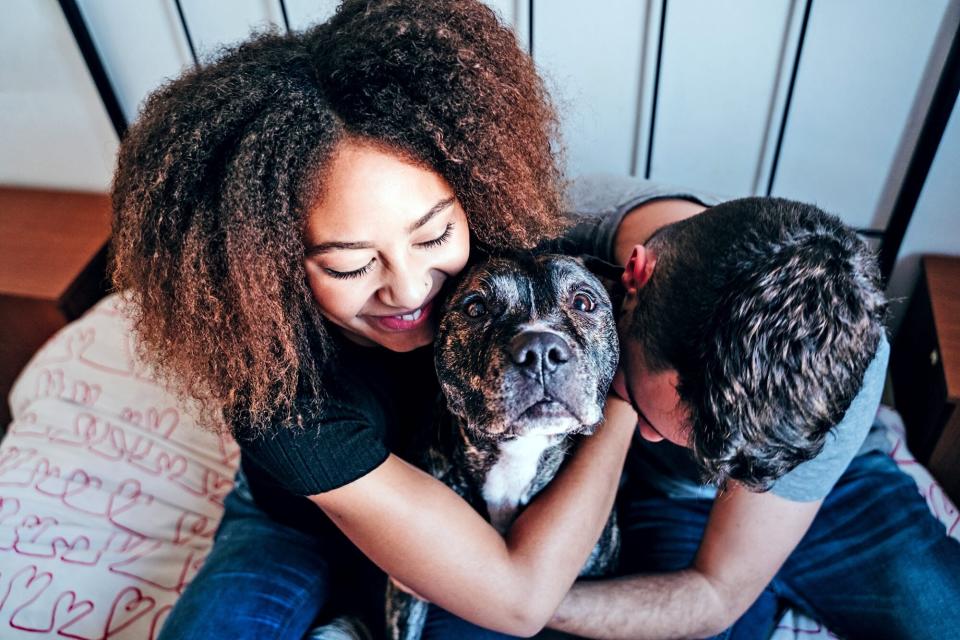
671,469
598,204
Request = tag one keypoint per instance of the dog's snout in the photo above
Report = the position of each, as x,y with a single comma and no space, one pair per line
536,350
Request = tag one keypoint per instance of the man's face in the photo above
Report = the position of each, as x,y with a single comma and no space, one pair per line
653,394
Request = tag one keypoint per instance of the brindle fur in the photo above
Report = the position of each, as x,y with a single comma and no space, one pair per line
487,394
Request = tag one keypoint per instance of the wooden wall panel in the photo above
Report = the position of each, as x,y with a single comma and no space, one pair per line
864,72
55,130
935,226
304,13
216,23
591,58
720,79
860,71
141,44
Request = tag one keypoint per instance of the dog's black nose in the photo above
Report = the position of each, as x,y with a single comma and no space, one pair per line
537,350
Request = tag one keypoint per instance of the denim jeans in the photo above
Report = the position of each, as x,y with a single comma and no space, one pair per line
874,564
261,580
443,624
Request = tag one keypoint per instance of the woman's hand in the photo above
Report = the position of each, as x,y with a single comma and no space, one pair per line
422,533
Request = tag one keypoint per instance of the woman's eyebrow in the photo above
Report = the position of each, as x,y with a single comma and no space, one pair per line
323,247
434,210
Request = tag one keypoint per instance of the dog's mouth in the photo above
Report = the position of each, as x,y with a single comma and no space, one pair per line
545,409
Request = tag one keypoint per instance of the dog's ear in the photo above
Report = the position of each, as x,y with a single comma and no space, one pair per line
609,276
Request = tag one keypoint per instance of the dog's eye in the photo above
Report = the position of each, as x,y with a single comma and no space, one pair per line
583,302
474,307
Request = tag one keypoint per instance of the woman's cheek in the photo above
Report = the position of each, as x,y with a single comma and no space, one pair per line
315,280
459,251
332,296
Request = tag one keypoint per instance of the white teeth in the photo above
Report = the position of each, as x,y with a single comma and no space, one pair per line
410,317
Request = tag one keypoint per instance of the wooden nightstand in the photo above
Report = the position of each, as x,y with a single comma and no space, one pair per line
52,269
925,366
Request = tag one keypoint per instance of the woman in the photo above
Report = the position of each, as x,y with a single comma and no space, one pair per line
285,219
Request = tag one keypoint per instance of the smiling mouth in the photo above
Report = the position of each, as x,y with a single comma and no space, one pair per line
413,316
406,321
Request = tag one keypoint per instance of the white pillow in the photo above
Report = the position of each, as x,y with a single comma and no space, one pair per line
109,492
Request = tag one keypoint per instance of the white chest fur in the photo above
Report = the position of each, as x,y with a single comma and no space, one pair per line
507,484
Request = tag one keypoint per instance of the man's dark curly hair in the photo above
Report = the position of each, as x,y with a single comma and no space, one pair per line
215,178
770,311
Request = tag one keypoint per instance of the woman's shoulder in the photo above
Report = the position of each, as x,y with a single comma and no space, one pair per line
329,436
365,383
331,439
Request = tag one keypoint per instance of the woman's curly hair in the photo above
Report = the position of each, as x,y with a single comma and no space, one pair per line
215,178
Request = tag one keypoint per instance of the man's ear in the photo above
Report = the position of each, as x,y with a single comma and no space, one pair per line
639,268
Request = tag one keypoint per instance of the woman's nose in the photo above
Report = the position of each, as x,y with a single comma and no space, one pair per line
406,287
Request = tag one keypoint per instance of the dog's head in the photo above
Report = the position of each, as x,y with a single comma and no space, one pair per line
527,345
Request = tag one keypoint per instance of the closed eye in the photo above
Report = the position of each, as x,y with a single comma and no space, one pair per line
362,271
439,240
347,275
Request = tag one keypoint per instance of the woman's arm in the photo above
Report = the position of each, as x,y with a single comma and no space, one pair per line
422,533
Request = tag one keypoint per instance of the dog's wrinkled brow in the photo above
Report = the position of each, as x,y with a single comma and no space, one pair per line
565,271
508,288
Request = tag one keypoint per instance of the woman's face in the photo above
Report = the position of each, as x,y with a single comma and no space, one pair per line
381,243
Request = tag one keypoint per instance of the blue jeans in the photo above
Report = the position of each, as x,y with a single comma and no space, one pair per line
262,579
443,624
874,564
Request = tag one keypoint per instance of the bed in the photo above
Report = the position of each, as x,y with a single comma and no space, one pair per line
110,491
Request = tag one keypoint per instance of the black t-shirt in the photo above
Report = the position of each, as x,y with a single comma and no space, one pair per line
379,402
376,402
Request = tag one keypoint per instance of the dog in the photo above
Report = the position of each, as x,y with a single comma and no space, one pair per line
525,352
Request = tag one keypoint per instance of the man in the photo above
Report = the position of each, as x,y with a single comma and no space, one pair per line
754,354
